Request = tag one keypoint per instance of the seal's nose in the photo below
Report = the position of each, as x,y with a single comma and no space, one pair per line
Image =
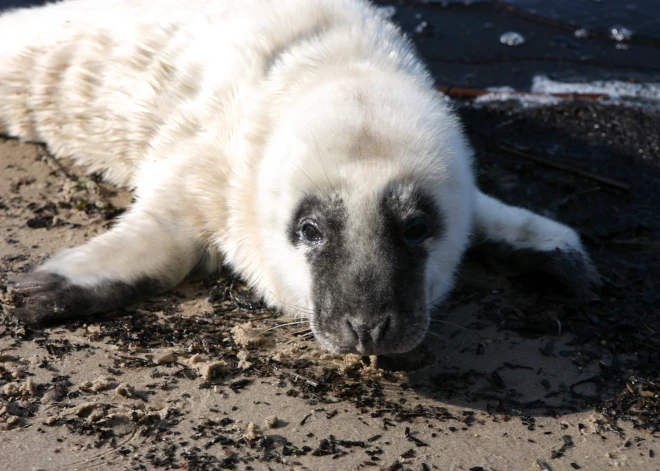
366,336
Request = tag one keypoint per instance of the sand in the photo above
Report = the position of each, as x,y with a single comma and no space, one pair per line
193,379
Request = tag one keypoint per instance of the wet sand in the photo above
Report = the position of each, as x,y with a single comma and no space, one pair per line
514,376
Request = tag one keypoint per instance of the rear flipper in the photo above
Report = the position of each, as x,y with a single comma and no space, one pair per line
143,255
527,242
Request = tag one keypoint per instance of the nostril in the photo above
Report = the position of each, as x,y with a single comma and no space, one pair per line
385,328
366,335
381,330
358,330
350,327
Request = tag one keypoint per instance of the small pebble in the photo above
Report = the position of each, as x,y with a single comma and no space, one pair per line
167,358
271,421
252,432
213,370
125,390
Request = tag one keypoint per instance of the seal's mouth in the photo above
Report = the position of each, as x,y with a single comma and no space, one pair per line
395,340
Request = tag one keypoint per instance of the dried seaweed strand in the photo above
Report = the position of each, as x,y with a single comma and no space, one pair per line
566,168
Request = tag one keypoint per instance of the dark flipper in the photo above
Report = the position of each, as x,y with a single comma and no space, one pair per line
43,296
572,268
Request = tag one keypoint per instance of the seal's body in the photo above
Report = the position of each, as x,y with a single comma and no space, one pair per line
300,142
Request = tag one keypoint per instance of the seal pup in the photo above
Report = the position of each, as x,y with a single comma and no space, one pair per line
300,142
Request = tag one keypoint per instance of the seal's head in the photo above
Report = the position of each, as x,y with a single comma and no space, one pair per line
365,207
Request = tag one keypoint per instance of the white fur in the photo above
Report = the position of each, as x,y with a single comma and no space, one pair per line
222,114
521,228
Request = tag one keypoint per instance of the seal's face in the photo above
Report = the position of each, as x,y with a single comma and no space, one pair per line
364,207
367,259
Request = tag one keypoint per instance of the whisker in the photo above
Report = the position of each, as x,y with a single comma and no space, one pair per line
318,153
299,308
300,337
310,179
341,190
456,325
453,303
444,339
436,300
459,301
284,325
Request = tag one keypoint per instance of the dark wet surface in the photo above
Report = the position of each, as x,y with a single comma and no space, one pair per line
620,228
463,48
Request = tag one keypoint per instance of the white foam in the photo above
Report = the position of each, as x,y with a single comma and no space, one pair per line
614,89
543,93
508,93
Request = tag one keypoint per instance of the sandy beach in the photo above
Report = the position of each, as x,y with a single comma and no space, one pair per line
514,375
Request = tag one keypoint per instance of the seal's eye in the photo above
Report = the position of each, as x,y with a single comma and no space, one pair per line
310,233
416,231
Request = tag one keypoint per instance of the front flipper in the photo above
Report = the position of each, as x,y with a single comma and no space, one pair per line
43,296
523,241
143,255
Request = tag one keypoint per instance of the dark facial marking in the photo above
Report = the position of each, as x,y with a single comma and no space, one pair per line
368,282
316,220
411,214
416,231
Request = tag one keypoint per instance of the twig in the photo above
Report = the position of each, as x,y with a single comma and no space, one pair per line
298,333
566,168
43,153
543,465
297,377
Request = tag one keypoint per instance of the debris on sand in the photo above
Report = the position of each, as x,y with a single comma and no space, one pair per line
243,362
125,390
248,336
212,369
252,433
100,384
271,422
28,388
10,421
196,358
166,359
92,411
351,362
7,421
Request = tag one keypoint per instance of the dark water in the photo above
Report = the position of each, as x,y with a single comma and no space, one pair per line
462,44
642,16
461,39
